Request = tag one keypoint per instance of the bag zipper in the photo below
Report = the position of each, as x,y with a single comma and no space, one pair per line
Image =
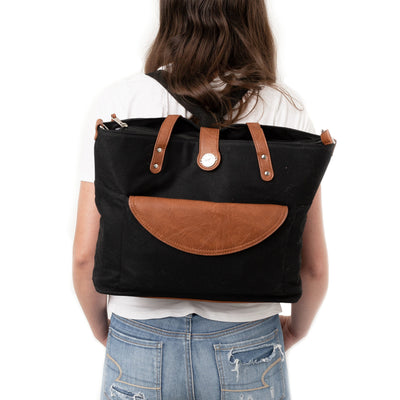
125,125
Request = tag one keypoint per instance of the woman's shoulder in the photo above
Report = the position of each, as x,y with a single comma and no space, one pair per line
283,105
134,95
130,86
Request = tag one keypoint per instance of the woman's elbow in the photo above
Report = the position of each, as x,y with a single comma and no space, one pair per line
82,259
317,270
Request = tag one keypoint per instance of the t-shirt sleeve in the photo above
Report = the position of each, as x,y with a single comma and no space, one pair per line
305,122
288,115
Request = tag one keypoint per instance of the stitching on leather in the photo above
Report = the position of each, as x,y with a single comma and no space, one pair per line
272,229
139,215
162,141
205,133
261,144
216,147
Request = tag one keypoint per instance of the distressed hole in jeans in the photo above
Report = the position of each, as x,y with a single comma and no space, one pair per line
252,356
122,394
262,354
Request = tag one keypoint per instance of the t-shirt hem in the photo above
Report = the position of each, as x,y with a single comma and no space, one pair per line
130,313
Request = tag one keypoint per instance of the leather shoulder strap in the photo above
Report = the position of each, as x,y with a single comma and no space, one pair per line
192,105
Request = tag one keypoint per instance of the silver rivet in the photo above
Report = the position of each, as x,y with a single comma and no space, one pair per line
155,165
266,172
208,159
263,156
159,149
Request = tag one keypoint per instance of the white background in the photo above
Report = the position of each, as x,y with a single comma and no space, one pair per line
341,56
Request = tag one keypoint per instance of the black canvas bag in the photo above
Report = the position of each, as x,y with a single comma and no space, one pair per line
194,212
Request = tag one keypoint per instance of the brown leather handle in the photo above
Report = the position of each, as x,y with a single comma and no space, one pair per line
209,138
262,150
162,142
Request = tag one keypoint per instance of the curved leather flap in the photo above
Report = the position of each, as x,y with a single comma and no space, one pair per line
206,227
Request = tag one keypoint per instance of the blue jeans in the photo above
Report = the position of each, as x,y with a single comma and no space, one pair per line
194,358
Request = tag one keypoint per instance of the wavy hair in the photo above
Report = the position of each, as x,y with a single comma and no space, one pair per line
200,40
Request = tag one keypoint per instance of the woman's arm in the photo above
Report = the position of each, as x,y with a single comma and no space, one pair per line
314,276
94,304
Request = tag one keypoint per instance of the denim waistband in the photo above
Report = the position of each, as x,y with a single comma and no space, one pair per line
193,324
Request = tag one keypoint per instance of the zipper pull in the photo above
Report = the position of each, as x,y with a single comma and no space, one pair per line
99,123
118,121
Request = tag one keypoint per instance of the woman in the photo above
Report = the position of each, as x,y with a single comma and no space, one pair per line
189,349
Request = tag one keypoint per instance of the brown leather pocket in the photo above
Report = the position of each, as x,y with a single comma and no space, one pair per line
206,227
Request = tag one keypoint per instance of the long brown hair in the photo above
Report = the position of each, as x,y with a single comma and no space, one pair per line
199,40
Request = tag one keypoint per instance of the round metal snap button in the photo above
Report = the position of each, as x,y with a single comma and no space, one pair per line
208,159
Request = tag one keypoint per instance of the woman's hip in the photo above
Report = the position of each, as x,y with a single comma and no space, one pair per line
192,357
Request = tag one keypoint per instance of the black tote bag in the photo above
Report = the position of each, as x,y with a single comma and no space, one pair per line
194,212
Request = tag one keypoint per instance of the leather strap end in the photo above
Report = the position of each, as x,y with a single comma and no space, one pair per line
326,137
98,122
262,151
209,156
162,143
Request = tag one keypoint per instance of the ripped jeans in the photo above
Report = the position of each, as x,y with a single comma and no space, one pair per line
194,358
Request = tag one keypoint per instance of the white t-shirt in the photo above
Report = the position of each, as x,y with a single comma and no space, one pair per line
140,96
